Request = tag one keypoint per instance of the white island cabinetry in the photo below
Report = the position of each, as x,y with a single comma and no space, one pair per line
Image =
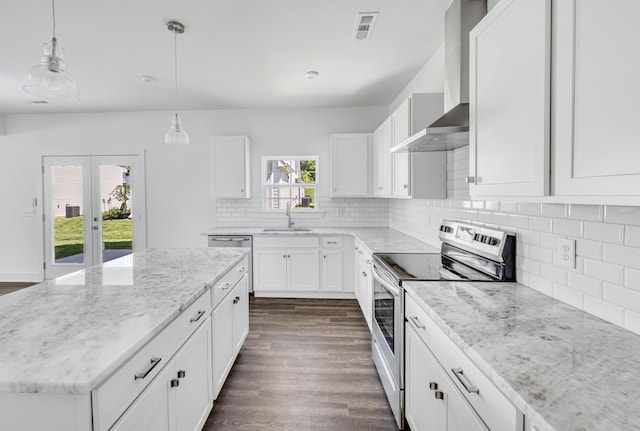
124,357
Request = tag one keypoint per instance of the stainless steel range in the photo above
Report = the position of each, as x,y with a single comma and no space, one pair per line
468,253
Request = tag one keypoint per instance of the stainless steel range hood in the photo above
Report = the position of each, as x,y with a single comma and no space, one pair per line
451,131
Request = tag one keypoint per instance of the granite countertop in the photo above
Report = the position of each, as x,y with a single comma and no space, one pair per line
69,334
564,369
376,239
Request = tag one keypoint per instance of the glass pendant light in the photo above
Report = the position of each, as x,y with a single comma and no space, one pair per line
176,134
49,79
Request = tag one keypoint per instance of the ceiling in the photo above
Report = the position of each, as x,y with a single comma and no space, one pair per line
234,53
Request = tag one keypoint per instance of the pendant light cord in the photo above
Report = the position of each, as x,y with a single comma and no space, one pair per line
53,13
175,57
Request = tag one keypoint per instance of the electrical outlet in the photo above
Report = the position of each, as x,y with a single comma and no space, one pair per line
566,254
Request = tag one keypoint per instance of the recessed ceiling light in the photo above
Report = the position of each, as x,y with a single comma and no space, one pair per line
148,79
312,74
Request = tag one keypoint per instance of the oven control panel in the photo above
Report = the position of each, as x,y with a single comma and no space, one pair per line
477,239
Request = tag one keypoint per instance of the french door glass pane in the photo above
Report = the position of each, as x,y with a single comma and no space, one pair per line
116,205
67,209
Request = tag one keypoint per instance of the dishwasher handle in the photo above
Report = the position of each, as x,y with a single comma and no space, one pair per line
229,239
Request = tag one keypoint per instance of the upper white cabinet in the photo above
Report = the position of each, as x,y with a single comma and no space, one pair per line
230,166
509,137
596,92
382,140
350,164
417,175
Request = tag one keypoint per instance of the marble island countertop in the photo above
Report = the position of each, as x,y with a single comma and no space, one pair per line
564,369
376,239
69,334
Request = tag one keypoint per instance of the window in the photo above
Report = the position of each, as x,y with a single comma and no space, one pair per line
292,180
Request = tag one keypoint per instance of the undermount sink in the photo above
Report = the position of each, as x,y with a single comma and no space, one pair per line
287,229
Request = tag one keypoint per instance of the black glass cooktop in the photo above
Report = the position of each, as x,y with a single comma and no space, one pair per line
425,267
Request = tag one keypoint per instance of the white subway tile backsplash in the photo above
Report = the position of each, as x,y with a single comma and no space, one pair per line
572,228
541,285
604,310
518,221
632,236
554,210
622,255
632,321
543,255
604,271
509,207
541,224
622,296
586,212
499,219
529,208
632,278
549,241
589,249
569,296
528,237
622,215
590,286
553,273
606,232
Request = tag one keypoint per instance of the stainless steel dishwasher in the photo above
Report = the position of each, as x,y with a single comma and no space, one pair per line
236,241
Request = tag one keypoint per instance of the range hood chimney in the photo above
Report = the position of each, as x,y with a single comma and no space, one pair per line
451,131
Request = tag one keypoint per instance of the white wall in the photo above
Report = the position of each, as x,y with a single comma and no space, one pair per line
179,208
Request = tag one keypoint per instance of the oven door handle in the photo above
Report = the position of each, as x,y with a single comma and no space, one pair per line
388,286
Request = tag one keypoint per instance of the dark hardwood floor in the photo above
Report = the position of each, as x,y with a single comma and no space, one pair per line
6,287
306,365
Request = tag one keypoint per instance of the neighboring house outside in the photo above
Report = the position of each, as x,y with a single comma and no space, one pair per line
67,198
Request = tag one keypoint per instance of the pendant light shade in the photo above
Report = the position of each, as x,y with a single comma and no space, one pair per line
49,79
176,134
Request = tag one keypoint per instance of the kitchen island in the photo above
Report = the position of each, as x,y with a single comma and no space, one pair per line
62,339
564,369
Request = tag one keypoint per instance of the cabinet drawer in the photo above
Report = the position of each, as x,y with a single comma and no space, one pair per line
331,241
285,241
113,397
490,404
226,283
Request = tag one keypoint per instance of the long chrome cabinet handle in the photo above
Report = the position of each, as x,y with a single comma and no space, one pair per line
197,316
470,387
142,374
416,322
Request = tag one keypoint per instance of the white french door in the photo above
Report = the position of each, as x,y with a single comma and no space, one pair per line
94,210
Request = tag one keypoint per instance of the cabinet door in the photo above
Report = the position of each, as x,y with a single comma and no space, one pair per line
230,166
401,122
240,313
424,412
401,174
510,100
222,342
303,270
194,397
350,164
596,68
331,263
460,415
382,168
270,270
366,289
151,410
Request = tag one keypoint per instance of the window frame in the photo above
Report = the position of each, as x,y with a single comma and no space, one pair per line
265,185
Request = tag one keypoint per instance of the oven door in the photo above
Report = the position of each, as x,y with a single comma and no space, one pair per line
388,339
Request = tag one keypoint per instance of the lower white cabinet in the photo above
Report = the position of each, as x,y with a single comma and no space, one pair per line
302,266
230,320
432,403
180,397
444,389
364,282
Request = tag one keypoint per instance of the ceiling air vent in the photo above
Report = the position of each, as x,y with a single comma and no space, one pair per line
364,25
